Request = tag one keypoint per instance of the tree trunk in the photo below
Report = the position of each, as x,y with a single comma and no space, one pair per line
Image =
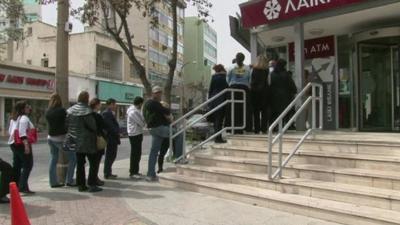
173,60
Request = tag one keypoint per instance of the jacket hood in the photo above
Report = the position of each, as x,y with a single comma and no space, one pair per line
79,109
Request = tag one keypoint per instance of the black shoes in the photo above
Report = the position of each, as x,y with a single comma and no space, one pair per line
28,192
83,188
94,189
110,177
71,185
57,186
220,141
99,182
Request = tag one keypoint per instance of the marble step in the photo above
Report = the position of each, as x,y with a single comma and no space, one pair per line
304,156
360,195
376,144
357,176
345,213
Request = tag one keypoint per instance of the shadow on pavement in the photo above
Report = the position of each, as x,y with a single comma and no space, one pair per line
36,211
113,193
63,196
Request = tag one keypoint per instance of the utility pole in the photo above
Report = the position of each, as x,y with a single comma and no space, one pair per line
62,72
62,52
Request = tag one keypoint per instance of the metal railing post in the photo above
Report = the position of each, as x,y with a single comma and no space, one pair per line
321,106
314,108
184,140
280,148
233,112
270,154
244,109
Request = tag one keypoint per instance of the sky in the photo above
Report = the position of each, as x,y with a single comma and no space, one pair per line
221,10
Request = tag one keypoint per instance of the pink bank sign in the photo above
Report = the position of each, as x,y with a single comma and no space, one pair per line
271,11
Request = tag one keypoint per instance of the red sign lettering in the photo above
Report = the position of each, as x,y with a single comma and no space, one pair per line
15,79
2,77
316,48
36,82
270,11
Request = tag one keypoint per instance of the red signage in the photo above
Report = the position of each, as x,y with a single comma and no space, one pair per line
26,81
270,11
316,48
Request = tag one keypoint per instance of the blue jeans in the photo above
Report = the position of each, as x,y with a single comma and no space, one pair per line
55,148
158,134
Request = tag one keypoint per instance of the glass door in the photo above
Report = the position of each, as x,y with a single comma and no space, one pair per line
396,87
375,87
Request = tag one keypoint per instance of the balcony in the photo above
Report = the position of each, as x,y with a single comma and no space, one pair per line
108,74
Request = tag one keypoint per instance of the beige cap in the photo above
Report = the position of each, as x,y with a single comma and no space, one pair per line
156,89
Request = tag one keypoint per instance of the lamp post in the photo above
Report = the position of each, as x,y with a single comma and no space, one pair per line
183,85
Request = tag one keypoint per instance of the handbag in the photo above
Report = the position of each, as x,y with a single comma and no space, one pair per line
101,143
31,135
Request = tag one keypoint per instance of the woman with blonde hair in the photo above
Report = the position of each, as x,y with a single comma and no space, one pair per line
259,87
56,119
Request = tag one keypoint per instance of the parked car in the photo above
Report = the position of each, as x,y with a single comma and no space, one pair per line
123,130
200,130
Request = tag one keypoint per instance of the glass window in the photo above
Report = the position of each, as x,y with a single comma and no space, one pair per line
344,62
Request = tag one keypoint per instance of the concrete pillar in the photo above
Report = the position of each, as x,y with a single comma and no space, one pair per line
299,66
2,117
253,47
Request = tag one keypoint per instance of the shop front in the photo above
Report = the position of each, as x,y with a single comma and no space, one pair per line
123,93
350,46
20,82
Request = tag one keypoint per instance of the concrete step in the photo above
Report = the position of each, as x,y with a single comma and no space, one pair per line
304,156
344,213
364,143
360,195
363,177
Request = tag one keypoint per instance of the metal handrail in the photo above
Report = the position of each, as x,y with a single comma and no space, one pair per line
185,126
282,129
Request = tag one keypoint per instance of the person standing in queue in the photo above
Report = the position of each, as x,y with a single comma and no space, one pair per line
239,78
113,137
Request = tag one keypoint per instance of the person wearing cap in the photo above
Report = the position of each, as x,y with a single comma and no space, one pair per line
135,124
158,119
239,77
113,137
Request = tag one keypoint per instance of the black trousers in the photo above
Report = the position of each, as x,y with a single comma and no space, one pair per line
111,155
219,117
136,153
260,107
22,164
98,161
80,169
7,175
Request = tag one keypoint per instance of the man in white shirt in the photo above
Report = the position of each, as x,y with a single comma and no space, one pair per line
135,124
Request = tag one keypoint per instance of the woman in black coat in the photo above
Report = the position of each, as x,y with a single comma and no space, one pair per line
218,84
282,89
259,87
95,105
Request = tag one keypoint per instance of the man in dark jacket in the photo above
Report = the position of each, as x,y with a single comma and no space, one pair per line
6,172
113,137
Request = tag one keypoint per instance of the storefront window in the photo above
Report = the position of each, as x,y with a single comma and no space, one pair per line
37,116
345,80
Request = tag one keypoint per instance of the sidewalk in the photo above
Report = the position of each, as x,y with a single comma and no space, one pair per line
127,202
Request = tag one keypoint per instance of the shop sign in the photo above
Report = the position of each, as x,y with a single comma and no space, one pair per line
272,11
123,93
315,48
26,81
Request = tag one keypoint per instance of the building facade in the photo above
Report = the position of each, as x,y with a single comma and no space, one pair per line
200,56
351,47
96,63
24,82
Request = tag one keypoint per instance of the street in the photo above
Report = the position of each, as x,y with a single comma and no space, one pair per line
41,155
